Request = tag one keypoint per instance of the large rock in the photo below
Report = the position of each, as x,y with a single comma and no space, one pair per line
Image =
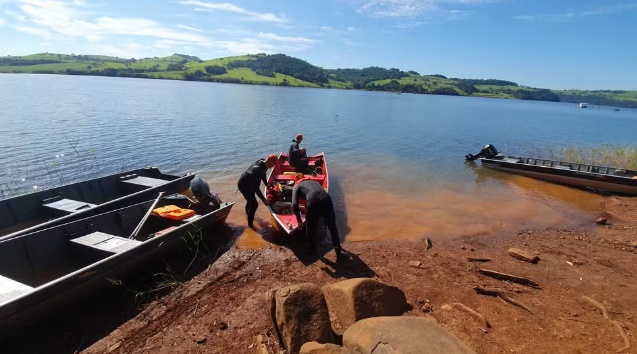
523,255
316,348
355,299
402,335
301,316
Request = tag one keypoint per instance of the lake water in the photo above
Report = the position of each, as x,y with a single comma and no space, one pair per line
396,162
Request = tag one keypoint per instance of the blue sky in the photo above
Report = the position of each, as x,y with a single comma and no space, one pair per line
558,44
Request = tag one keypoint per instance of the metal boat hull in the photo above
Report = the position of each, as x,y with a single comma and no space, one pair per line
48,208
573,174
51,267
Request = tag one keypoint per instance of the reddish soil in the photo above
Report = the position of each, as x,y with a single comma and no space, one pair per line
222,309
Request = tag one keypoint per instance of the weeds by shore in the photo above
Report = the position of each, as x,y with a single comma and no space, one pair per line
619,156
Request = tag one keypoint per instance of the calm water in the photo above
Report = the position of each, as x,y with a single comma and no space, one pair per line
396,161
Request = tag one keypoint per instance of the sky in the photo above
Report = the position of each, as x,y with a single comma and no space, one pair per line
556,44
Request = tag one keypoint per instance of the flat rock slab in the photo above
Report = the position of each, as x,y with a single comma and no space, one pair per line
523,255
355,299
316,348
402,335
301,316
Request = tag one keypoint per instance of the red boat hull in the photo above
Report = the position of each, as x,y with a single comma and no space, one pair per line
282,174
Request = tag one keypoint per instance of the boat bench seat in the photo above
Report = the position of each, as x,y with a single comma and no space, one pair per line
10,289
282,178
311,163
143,181
67,205
105,242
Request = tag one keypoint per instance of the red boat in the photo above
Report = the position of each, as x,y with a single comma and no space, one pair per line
281,181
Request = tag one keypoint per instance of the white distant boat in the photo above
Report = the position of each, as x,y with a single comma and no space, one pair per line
583,105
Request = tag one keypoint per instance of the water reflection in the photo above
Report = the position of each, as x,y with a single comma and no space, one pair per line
579,199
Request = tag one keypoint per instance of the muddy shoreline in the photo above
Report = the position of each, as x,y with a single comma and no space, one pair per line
221,309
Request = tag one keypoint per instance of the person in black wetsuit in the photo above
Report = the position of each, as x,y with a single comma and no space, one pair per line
249,184
297,155
319,204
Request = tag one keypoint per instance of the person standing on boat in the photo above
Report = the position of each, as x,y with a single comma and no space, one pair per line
319,206
297,155
249,184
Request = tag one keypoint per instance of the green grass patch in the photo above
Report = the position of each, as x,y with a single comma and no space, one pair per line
55,68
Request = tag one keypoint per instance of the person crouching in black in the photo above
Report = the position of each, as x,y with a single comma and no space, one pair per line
297,155
319,205
249,184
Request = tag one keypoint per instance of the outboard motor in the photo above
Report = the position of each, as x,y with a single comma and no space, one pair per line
488,151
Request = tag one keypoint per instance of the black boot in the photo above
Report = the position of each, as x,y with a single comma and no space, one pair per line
341,254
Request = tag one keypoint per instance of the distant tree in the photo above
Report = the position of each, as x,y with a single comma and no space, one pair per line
215,70
445,90
175,67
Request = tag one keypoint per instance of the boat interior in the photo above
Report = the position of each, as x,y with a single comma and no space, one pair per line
32,260
579,167
31,209
283,172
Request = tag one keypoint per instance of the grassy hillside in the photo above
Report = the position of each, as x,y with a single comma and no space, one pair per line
618,98
282,70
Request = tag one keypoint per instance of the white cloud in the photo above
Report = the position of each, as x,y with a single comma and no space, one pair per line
147,28
2,22
411,8
228,7
35,31
248,46
68,19
68,22
189,28
16,15
576,15
275,37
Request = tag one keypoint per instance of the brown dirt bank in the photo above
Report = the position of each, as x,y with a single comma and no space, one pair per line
221,310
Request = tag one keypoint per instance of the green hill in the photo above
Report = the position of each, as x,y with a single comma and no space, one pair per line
283,70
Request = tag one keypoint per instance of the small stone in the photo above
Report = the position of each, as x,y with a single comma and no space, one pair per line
601,221
463,247
201,340
223,326
415,264
426,308
634,244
